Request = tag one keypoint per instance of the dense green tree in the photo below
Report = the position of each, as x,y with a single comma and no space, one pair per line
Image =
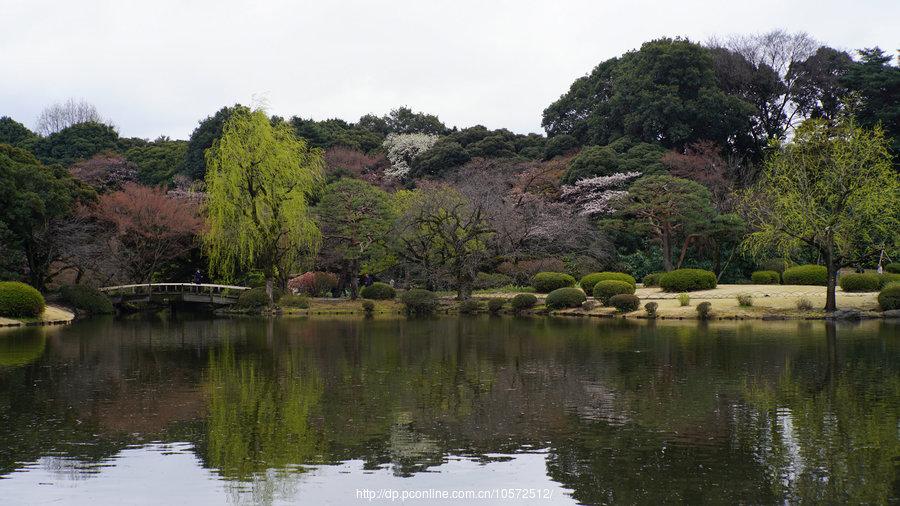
493,146
355,218
336,132
622,155
32,196
443,235
77,142
664,93
16,134
875,84
832,189
439,159
559,145
403,120
259,181
675,212
158,161
202,138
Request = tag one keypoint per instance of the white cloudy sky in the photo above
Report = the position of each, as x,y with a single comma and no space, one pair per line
158,66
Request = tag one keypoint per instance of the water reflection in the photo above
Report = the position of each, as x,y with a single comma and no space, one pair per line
621,411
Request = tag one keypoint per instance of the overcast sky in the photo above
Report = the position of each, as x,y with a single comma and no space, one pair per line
156,67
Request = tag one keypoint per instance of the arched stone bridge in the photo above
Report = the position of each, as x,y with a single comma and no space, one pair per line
167,293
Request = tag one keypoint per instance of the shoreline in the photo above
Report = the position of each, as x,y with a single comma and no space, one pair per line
52,315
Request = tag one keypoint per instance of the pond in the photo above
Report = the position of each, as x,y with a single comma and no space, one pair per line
156,410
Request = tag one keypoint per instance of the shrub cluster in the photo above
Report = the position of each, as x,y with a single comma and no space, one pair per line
314,284
855,282
687,280
775,264
565,298
294,300
86,299
603,290
624,302
378,291
545,282
485,280
494,306
523,301
889,298
368,307
804,304
887,278
20,300
587,282
419,301
469,306
893,268
745,300
704,310
806,275
652,279
684,299
253,298
766,278
651,308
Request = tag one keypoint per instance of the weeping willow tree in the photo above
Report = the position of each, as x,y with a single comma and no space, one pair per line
259,178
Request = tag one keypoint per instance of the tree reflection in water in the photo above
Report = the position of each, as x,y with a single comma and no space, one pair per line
629,412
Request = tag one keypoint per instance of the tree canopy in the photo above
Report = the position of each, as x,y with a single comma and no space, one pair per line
259,181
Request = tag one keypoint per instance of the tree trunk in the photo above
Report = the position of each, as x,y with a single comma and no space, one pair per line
354,284
830,297
270,288
463,288
666,252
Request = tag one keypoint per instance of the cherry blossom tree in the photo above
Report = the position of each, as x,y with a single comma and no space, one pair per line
403,148
597,195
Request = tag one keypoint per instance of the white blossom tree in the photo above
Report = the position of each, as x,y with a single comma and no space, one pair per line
403,148
597,195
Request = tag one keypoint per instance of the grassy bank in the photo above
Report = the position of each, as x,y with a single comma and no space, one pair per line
52,315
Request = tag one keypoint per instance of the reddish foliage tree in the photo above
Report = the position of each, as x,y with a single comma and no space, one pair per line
149,227
105,172
314,283
702,162
341,160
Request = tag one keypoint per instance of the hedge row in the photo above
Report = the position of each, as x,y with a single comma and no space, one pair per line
866,282
806,275
687,280
86,299
889,298
587,282
766,278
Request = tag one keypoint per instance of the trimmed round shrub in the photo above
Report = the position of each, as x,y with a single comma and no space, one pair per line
687,280
887,278
485,280
378,291
546,282
889,298
806,275
775,264
704,310
86,299
253,298
469,306
523,301
294,300
766,278
567,297
20,300
419,301
652,279
494,306
893,268
651,308
587,283
603,290
624,302
854,282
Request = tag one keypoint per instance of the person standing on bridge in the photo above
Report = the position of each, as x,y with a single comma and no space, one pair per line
198,277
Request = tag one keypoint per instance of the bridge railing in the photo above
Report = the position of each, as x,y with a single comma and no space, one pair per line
175,288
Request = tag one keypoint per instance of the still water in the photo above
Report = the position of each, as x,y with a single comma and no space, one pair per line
548,411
